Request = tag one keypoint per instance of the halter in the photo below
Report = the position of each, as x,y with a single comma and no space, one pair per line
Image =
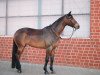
73,30
72,33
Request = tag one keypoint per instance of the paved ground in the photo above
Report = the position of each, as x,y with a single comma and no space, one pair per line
31,69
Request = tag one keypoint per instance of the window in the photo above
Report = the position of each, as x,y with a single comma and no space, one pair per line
81,11
53,9
15,14
2,17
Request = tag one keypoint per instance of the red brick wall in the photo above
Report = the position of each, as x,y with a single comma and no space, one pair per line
74,52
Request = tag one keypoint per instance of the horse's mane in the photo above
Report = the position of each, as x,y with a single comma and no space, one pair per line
56,23
58,20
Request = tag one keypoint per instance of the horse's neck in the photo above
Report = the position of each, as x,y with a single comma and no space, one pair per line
59,27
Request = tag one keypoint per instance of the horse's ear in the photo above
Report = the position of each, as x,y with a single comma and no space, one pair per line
69,13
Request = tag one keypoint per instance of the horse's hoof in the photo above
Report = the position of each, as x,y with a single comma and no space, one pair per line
46,72
51,68
19,71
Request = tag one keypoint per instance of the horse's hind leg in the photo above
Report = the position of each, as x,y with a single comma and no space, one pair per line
18,65
18,55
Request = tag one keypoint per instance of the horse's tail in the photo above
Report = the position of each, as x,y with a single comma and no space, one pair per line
14,52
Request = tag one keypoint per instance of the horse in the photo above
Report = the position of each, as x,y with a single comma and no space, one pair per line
46,38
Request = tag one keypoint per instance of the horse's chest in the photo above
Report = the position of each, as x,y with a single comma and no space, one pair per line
50,41
49,38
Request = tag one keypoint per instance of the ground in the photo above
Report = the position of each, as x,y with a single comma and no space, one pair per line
34,69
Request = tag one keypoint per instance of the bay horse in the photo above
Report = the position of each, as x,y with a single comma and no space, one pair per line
45,38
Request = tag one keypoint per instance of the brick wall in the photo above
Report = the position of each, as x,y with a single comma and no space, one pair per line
74,52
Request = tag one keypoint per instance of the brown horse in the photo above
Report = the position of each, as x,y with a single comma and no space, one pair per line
45,38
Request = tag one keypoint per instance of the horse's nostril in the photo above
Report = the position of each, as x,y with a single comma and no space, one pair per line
78,27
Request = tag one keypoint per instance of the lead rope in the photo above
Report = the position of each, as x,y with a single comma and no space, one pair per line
72,33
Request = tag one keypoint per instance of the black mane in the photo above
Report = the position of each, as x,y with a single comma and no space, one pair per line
58,20
56,23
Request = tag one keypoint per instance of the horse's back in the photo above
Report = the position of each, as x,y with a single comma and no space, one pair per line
29,31
29,36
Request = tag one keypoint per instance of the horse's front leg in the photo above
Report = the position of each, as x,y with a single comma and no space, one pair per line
51,61
46,62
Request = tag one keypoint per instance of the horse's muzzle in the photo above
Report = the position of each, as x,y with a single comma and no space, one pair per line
77,26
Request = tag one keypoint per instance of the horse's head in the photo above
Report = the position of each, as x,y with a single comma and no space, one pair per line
70,21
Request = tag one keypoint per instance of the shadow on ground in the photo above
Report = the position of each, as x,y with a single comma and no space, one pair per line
34,69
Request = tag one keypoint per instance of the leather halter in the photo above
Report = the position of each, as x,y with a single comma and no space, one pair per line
74,29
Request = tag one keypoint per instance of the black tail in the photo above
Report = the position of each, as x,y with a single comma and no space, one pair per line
14,52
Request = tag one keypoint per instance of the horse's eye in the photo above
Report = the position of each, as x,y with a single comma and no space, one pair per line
69,17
